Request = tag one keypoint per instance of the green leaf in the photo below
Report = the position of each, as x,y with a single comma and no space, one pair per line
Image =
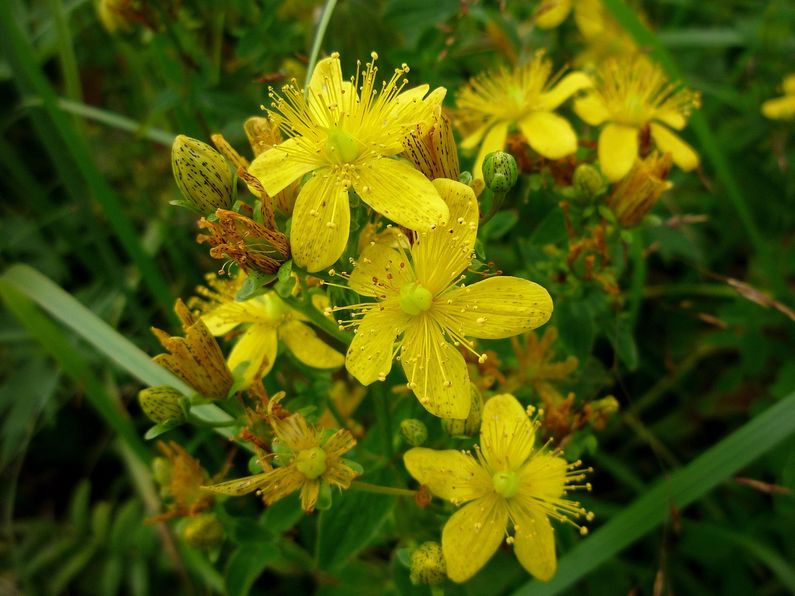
619,332
246,564
352,523
284,280
550,230
686,485
162,428
499,225
254,285
576,327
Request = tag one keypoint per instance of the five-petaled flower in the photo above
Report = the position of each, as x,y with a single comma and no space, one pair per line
347,140
422,312
524,97
635,99
510,480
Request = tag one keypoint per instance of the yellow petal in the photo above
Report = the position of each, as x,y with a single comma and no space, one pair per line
223,318
321,222
534,542
552,13
506,433
257,346
543,477
305,345
493,141
788,85
436,370
281,165
683,154
472,140
409,108
339,443
274,484
239,486
591,109
618,149
369,356
380,270
780,108
672,118
472,535
549,134
568,86
327,88
449,474
309,493
398,191
495,308
442,254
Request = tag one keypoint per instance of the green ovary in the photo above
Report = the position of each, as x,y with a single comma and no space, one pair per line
311,462
342,145
506,484
415,299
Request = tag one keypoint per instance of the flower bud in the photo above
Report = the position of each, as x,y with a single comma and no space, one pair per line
203,531
428,565
588,182
637,193
161,471
161,404
202,175
414,431
500,172
470,425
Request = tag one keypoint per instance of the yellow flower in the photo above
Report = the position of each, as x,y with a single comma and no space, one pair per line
268,320
422,312
524,97
311,459
589,15
634,97
347,139
196,358
782,108
509,481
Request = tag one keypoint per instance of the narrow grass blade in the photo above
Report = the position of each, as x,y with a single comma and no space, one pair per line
686,485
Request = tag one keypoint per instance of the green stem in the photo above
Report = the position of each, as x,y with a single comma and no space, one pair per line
328,9
382,490
66,53
306,308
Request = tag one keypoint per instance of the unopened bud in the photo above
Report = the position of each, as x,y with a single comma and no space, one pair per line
588,182
427,564
203,531
637,192
161,471
161,403
500,172
470,425
202,175
607,406
414,431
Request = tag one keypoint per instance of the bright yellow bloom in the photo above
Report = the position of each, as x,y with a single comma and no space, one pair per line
510,480
634,97
422,312
347,139
310,458
782,108
268,320
524,97
590,15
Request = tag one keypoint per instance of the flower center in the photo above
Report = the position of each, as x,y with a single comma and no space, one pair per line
506,484
342,146
311,462
415,299
275,310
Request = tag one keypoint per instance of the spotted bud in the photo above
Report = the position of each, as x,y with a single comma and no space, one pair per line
500,172
161,403
203,531
414,431
427,564
471,425
202,175
588,182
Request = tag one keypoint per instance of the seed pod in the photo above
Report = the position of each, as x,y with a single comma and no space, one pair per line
202,175
427,564
161,403
471,425
588,182
414,431
203,531
500,172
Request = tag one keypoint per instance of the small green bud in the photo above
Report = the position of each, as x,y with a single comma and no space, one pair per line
161,403
471,425
203,531
427,564
202,175
588,182
161,471
500,172
414,431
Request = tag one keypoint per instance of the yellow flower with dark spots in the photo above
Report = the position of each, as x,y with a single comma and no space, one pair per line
509,481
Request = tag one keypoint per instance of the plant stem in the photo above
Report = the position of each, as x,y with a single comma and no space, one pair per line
382,490
328,9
